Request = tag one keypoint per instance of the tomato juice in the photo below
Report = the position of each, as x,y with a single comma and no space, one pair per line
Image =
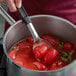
42,57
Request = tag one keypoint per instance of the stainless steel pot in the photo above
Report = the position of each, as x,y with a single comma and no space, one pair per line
44,24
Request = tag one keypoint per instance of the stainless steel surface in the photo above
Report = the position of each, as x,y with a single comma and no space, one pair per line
33,32
2,25
8,18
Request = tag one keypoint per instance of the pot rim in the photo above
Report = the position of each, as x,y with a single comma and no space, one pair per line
34,16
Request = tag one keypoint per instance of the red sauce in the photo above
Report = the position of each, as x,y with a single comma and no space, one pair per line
59,56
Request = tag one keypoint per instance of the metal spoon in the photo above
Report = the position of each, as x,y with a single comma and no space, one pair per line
37,40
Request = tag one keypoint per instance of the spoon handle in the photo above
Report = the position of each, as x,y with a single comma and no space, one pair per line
24,15
28,22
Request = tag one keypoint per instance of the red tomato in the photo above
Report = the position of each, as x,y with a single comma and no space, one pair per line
58,64
27,57
40,50
30,39
54,42
67,46
12,54
24,45
19,60
39,66
50,56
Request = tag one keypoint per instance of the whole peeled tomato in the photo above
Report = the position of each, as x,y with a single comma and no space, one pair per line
39,65
53,41
67,46
12,54
40,50
58,64
30,39
50,56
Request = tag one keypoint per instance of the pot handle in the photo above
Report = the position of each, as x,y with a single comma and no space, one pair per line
6,16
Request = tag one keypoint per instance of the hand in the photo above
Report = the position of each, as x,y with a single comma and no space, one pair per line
12,4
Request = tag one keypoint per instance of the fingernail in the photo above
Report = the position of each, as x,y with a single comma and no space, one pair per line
20,4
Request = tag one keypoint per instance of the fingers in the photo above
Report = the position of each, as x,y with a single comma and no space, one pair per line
12,4
18,3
